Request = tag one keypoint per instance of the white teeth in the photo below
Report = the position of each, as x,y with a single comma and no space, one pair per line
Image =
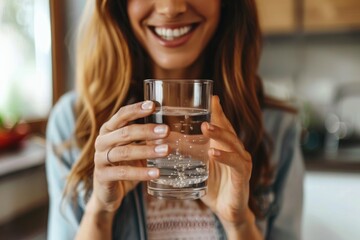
170,34
176,33
158,31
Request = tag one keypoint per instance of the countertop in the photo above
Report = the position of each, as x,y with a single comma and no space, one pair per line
340,161
30,155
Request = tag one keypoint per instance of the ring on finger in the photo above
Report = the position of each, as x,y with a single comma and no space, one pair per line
108,157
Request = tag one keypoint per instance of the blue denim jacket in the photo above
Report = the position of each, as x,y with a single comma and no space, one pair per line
281,203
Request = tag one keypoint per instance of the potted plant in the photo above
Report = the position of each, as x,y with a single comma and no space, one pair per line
11,135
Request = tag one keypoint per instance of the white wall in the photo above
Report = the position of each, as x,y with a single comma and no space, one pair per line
312,67
332,206
335,57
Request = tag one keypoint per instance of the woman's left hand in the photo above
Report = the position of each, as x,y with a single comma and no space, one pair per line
229,172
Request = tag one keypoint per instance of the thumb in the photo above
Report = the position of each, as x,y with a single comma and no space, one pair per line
218,116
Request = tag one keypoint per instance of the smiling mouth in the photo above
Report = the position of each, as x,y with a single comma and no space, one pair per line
173,33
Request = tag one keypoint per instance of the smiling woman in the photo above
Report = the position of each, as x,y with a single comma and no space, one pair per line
96,166
174,35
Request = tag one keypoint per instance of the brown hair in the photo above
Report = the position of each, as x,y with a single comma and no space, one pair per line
106,78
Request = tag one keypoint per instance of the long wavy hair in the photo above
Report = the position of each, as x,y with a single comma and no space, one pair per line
111,66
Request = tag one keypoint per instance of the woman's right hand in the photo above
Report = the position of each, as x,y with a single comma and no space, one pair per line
120,163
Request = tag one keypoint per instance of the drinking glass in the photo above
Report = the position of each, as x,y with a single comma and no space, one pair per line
183,105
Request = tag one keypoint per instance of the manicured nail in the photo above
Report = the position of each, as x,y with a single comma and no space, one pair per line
153,172
161,148
215,152
160,129
210,127
147,105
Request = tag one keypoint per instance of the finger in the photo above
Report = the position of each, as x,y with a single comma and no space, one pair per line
127,114
131,133
231,159
119,173
227,139
134,152
218,116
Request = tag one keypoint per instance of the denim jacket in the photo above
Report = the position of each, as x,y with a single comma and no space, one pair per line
281,203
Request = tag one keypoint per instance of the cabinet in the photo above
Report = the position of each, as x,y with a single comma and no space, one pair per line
277,16
290,16
331,15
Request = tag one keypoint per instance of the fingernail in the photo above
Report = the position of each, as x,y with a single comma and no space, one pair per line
215,152
161,148
160,129
210,127
147,105
153,172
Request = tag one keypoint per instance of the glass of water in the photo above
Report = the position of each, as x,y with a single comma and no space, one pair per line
183,105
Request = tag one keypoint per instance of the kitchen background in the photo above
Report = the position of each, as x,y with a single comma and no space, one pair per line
311,57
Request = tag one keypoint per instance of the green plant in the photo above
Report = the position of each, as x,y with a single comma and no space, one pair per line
2,122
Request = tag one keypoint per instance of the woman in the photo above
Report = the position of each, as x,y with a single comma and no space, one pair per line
255,179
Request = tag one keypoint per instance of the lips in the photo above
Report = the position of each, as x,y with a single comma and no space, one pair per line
173,36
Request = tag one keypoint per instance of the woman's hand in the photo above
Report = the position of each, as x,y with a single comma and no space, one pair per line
230,168
119,162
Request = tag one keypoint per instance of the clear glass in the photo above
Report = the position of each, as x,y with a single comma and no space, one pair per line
25,60
183,105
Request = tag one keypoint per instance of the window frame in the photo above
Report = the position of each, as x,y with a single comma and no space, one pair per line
57,19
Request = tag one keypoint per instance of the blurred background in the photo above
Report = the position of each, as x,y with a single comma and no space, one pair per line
311,57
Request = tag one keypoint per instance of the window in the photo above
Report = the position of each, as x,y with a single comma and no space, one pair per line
25,60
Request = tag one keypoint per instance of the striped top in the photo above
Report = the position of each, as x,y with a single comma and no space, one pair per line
175,219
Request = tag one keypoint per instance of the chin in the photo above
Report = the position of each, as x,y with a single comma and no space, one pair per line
174,63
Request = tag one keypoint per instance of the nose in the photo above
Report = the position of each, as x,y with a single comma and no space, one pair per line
170,8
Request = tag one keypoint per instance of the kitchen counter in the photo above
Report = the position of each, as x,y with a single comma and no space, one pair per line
30,155
23,185
343,161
